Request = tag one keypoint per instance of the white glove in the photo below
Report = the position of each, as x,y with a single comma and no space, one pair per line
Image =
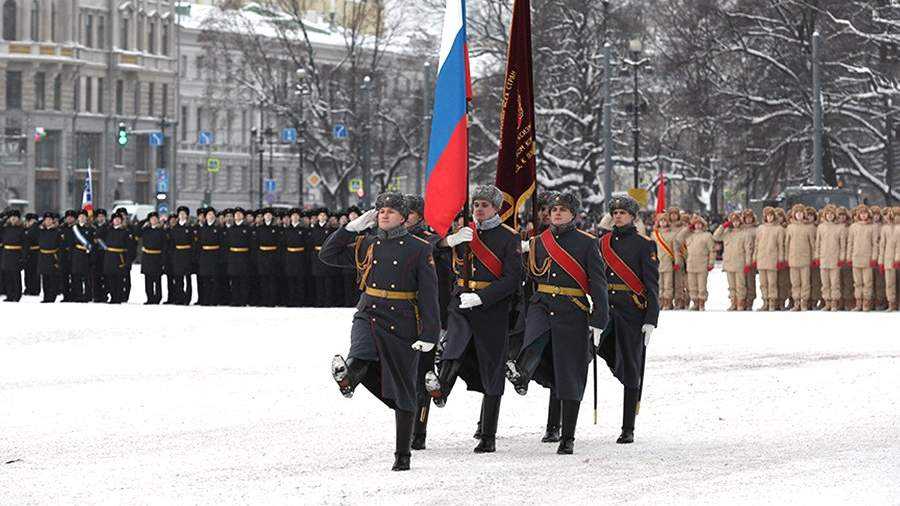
367,220
526,246
469,300
422,346
647,330
597,333
464,235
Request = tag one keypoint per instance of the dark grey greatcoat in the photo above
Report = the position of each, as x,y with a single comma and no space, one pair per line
384,329
622,346
479,336
570,345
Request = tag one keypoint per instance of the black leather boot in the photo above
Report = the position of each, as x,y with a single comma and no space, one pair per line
520,370
551,435
629,411
569,421
439,386
404,427
421,425
348,373
478,428
490,412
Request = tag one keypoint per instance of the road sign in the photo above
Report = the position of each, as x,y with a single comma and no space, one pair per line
162,209
269,185
213,165
162,181
205,138
156,139
289,135
641,195
355,185
314,180
340,131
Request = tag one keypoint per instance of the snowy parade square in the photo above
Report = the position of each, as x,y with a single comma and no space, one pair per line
190,405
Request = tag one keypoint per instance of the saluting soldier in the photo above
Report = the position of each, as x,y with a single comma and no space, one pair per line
478,319
82,241
209,258
13,255
153,255
397,315
238,239
632,270
296,259
115,261
566,266
50,242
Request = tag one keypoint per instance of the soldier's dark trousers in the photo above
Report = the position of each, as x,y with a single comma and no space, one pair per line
117,289
99,289
554,409
206,290
153,288
12,285
490,413
324,291
171,291
80,288
239,290
296,288
66,286
180,286
629,409
268,290
50,287
32,277
126,283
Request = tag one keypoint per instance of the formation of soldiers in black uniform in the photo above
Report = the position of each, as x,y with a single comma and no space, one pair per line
231,257
540,309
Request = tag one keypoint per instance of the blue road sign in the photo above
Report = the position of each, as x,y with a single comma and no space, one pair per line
340,131
289,135
156,138
205,138
162,181
162,209
269,185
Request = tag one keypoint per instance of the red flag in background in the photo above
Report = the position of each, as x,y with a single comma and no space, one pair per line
516,175
661,194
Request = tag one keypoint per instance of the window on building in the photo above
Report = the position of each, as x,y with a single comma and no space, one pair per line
76,95
137,98
199,120
53,21
182,71
88,94
229,121
151,37
140,24
165,100
13,89
199,71
40,91
89,30
184,123
151,98
35,20
244,128
10,16
100,97
125,32
101,32
166,35
46,152
57,92
120,97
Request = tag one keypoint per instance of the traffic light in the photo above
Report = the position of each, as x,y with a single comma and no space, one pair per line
122,137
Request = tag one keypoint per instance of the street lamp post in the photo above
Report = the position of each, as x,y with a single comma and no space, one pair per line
636,47
366,88
256,139
302,90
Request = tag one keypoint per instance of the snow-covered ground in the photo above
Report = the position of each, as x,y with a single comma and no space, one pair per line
189,405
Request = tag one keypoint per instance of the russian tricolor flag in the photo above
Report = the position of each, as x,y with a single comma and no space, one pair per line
446,174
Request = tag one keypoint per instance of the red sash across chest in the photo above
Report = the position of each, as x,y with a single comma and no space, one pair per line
565,261
619,267
484,254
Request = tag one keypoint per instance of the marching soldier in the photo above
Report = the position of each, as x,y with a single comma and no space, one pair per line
397,317
209,258
478,321
12,256
238,238
633,276
296,259
153,256
115,260
565,264
50,242
81,236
